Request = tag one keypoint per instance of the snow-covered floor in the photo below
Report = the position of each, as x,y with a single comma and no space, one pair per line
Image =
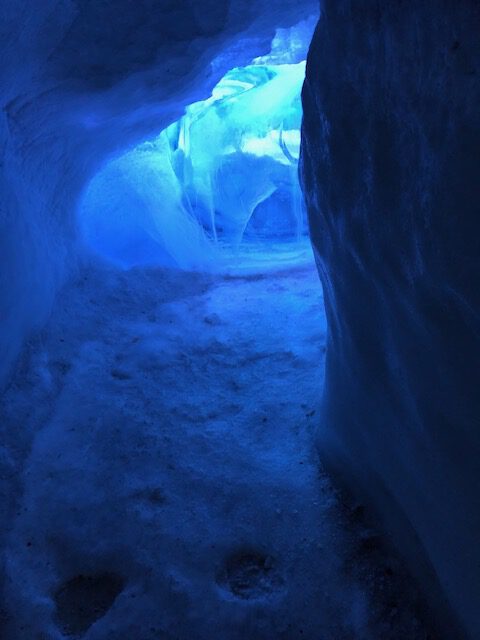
161,475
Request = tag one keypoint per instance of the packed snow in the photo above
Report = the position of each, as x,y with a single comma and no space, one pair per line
162,477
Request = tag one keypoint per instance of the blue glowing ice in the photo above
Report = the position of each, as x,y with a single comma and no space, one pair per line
222,175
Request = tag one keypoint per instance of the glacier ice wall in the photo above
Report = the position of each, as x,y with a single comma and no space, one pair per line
392,178
81,82
225,173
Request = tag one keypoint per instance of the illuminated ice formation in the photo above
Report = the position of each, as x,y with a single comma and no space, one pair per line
223,175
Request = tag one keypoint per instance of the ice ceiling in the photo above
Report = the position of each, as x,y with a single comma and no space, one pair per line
217,185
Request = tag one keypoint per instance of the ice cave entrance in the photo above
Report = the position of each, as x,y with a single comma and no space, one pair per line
218,189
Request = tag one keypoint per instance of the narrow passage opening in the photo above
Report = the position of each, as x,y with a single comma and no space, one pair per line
218,189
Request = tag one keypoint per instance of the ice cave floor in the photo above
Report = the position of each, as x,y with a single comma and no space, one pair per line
161,476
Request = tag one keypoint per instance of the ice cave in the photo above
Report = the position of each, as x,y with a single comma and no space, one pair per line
239,320
233,203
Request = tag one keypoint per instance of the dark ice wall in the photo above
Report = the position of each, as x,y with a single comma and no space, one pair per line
391,172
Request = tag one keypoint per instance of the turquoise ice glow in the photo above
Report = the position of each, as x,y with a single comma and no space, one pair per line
222,177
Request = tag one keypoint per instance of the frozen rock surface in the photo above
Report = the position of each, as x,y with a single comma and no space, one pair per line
163,480
392,180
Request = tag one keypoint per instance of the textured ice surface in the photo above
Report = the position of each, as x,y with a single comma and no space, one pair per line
224,173
392,177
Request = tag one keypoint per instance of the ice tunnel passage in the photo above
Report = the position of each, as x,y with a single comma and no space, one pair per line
104,513
216,188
